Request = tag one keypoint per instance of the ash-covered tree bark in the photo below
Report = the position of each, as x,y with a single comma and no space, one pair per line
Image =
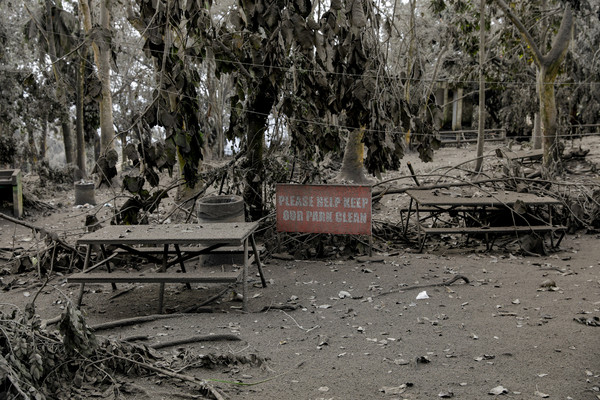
548,68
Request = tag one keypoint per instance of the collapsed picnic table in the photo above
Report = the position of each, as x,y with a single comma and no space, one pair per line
198,239
477,210
526,156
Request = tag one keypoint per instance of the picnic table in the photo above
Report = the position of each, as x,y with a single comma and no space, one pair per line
476,211
168,245
526,156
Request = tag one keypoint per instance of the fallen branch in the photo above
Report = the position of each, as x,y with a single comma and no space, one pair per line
132,321
51,321
435,186
281,307
207,301
195,339
205,387
51,235
446,283
135,338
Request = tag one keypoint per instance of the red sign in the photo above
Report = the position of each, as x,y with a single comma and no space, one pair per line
338,209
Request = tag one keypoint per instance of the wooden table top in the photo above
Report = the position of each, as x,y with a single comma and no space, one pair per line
227,234
437,197
525,154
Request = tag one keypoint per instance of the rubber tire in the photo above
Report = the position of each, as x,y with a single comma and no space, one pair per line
227,208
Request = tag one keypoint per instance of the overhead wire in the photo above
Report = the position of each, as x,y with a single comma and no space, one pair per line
321,71
135,44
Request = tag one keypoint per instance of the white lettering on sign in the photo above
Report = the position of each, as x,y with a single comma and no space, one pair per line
323,202
355,202
292,215
296,201
328,202
319,216
351,217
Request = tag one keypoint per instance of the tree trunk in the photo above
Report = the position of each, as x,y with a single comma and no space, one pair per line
34,157
353,169
447,106
537,132
548,66
457,106
102,54
60,87
44,138
481,111
68,139
257,116
548,116
97,149
80,153
410,64
255,173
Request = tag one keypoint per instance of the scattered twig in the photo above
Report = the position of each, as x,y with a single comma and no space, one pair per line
207,301
446,283
298,325
48,276
203,384
259,382
121,293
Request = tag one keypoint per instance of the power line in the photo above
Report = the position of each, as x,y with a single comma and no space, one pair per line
366,75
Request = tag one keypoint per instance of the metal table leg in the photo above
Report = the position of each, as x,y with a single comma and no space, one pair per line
88,253
161,293
258,263
245,278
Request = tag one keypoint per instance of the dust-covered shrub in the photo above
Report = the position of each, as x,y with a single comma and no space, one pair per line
39,363
55,175
8,149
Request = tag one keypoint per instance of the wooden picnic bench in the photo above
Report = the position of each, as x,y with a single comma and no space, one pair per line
435,203
187,241
526,156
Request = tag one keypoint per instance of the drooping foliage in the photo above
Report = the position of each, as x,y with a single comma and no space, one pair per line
347,88
326,77
174,106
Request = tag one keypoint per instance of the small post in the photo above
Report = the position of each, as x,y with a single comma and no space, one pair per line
88,253
17,193
161,293
245,278
412,173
